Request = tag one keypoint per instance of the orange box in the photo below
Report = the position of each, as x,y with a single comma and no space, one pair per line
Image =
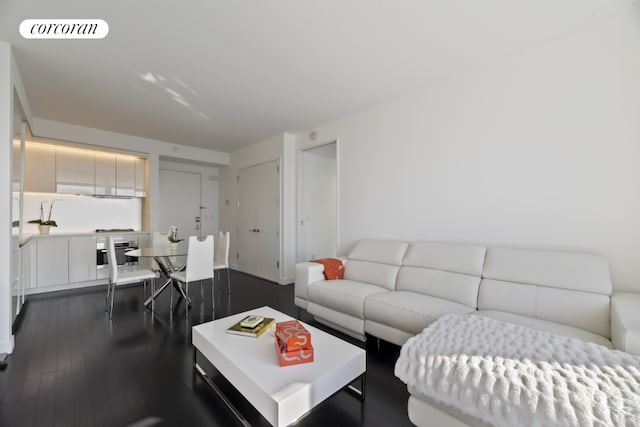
293,357
293,335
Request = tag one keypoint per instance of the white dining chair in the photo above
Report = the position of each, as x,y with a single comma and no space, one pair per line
199,265
222,256
117,278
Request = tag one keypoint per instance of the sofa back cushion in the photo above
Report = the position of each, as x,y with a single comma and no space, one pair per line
442,270
375,262
569,288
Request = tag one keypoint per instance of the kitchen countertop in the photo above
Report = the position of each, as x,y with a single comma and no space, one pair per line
26,237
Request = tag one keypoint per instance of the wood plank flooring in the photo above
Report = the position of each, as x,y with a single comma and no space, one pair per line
73,367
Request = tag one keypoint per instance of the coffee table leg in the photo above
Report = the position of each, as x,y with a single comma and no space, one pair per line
197,369
360,394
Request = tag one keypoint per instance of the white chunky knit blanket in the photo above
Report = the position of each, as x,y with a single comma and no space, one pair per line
510,375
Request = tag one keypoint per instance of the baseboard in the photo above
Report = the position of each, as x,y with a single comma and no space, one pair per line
286,281
7,346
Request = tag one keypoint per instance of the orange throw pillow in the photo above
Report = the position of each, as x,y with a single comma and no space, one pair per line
333,268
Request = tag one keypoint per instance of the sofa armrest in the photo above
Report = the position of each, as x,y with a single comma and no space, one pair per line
307,273
625,322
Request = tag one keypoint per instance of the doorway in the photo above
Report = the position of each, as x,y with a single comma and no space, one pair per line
317,203
258,232
180,202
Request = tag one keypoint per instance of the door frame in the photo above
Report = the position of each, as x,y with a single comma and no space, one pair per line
299,191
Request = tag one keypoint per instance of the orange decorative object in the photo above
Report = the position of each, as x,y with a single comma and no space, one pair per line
293,357
333,268
293,335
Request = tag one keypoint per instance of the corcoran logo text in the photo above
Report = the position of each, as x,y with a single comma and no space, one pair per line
64,29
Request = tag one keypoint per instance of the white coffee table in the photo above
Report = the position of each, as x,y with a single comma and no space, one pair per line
281,394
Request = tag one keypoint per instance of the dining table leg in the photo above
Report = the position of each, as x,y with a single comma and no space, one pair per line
166,266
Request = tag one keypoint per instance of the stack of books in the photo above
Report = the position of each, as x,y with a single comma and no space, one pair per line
252,326
293,342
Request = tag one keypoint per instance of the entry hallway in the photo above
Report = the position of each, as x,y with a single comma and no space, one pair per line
72,367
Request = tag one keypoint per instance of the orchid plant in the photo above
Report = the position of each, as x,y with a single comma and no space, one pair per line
41,221
172,235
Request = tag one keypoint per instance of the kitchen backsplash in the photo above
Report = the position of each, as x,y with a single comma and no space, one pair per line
82,213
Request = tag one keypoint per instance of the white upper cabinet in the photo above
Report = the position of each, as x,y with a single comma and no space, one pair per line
125,176
75,171
40,168
105,174
60,169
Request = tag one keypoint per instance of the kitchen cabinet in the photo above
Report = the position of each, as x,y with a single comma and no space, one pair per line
82,259
140,174
52,261
125,176
28,273
39,168
105,174
75,171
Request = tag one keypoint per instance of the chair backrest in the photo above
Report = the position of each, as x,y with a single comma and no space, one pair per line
222,250
111,260
199,259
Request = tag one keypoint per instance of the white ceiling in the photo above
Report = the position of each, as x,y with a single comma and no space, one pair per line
225,74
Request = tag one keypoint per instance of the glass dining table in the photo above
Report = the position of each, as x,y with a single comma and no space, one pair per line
163,254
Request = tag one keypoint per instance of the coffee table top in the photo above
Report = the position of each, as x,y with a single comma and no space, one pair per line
280,394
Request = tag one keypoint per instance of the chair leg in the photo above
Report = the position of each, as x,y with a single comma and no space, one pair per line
153,292
186,301
113,294
106,300
228,280
213,300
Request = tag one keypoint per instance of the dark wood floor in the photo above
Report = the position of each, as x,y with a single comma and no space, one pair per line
73,367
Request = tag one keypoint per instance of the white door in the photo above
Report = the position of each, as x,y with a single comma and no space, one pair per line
180,202
317,203
259,220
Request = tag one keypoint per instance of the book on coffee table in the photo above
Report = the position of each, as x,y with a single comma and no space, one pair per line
255,332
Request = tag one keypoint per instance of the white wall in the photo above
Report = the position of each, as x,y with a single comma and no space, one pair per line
208,193
278,147
539,150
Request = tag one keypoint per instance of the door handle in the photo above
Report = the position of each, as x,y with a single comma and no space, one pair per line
254,230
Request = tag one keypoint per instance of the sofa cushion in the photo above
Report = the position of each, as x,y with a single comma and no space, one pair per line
442,270
380,275
463,259
582,310
459,288
552,327
570,288
375,262
409,311
555,269
379,251
345,296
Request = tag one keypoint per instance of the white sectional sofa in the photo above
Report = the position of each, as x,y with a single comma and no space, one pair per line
392,290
